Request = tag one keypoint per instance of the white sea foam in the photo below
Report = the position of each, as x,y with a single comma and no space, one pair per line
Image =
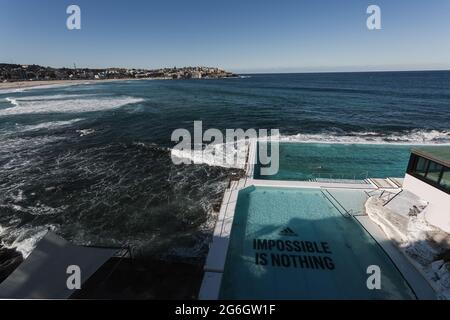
85,132
65,104
25,239
39,87
48,125
12,101
7,91
52,97
407,138
217,155
220,158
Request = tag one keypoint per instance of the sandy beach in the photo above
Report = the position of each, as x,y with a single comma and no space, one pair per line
31,84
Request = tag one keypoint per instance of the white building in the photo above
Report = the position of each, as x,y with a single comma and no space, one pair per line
428,176
196,75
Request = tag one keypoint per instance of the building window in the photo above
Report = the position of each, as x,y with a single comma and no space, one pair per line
421,165
434,172
445,180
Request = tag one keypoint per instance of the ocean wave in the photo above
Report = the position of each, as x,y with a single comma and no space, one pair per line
65,105
47,125
237,158
40,87
102,211
412,137
85,132
49,97
39,210
16,144
12,101
8,91
24,239
216,155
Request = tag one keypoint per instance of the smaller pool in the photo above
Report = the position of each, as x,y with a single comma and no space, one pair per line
294,244
305,161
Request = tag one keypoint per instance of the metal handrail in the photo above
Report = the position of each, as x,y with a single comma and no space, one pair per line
341,176
347,215
393,198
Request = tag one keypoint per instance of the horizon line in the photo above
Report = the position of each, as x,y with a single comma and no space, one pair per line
355,71
250,72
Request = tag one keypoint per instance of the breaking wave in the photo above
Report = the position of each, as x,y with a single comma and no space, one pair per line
95,195
226,155
85,132
410,137
64,104
48,125
23,239
218,155
48,97
12,101
40,87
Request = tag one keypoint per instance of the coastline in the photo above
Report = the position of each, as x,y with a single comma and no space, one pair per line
40,83
43,83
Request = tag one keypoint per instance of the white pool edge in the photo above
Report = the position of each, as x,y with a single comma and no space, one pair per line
215,261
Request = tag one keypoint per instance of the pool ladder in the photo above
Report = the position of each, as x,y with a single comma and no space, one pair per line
336,204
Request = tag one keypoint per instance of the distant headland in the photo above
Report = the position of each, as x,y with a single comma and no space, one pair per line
16,72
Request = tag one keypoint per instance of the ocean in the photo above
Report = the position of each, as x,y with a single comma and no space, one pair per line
92,162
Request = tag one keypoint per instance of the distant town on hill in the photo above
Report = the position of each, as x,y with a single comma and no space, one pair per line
16,72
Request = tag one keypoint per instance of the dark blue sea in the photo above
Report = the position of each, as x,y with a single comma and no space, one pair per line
92,162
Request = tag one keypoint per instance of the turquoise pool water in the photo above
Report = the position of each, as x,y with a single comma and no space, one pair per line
293,244
304,161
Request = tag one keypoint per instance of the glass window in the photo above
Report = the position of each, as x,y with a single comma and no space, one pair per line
434,172
420,167
445,181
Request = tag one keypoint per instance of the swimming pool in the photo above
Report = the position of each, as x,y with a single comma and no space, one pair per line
294,244
304,161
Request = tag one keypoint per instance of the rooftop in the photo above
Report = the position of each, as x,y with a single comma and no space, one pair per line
439,154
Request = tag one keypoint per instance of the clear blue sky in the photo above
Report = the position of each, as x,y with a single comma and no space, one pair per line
239,35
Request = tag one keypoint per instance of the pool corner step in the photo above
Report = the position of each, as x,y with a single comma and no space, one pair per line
383,183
